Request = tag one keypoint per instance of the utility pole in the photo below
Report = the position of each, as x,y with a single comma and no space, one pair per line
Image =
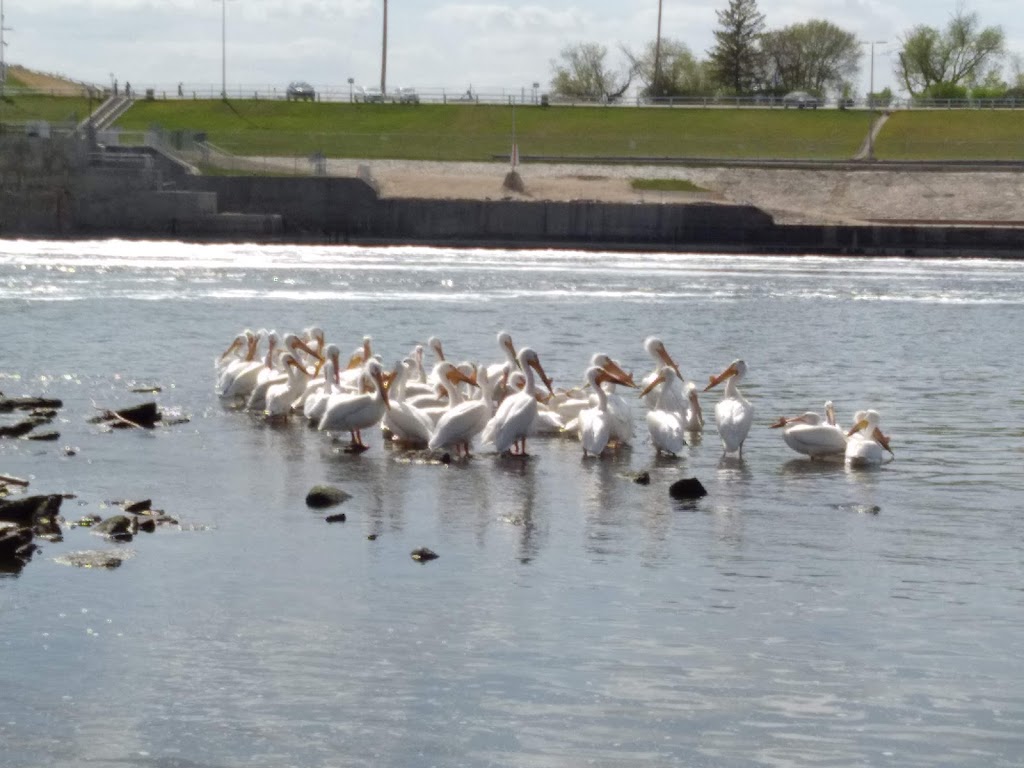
656,85
3,44
384,55
871,98
224,49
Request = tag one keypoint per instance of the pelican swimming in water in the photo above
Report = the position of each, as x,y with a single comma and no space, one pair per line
663,422
866,442
733,413
281,395
512,422
812,435
354,413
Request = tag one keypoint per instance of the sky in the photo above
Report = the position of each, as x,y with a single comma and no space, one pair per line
432,44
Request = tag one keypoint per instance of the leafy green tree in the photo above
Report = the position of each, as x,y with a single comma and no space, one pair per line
961,55
679,72
583,73
813,56
735,60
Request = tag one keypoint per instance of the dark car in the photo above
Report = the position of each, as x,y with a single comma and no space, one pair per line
801,100
300,91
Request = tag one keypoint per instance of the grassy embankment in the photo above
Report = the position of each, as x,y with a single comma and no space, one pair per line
952,135
54,109
478,132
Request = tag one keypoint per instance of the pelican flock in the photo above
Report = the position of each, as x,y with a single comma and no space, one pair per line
495,406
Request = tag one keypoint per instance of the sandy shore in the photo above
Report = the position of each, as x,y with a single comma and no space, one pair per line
791,196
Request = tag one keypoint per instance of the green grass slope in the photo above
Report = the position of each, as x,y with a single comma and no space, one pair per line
54,109
952,135
476,132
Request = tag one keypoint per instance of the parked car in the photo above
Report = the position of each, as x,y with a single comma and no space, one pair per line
405,96
300,91
369,95
801,100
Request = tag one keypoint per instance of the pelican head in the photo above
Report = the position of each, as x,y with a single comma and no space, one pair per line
601,360
527,357
665,376
737,369
656,349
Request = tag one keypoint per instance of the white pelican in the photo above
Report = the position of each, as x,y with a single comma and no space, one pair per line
239,376
733,413
673,399
866,441
315,403
620,412
281,395
495,370
353,413
406,424
273,370
593,424
663,422
514,418
694,421
548,421
464,419
811,435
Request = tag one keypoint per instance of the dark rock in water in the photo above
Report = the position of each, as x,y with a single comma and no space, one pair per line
372,536
147,524
338,518
446,458
95,558
861,509
47,436
29,510
138,506
144,415
423,554
642,478
27,403
116,525
354,448
148,390
88,521
20,429
321,496
687,488
15,545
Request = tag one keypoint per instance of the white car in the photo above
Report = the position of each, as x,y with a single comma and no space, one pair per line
369,95
405,96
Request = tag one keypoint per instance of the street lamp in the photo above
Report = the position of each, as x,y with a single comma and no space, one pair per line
871,97
224,49
351,80
656,85
384,54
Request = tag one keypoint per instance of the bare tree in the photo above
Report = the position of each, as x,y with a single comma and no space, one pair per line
583,73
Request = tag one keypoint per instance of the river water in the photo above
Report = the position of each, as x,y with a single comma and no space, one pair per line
799,615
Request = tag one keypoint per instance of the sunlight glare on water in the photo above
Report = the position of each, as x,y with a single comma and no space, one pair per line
801,614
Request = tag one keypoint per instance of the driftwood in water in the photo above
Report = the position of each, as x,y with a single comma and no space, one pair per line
8,404
145,415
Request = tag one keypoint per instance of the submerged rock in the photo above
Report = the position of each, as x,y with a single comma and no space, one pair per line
642,478
145,415
423,554
107,558
338,518
321,496
687,488
30,510
16,548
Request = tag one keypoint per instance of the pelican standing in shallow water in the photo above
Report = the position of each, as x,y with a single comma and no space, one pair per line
811,435
663,421
594,425
511,424
733,413
866,442
354,413
672,398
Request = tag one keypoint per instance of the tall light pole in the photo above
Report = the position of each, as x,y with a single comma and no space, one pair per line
871,97
3,44
657,56
224,49
384,55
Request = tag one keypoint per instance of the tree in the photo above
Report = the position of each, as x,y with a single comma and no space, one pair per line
735,59
814,56
583,74
678,73
961,56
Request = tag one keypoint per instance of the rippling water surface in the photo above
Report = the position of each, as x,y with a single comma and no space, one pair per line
800,615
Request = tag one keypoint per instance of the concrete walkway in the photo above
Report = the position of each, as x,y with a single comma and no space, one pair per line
866,149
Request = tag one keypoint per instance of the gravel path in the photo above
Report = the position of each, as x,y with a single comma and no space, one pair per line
791,196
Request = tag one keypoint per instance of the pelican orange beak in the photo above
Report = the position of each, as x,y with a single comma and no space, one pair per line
858,427
883,440
354,362
234,345
535,364
714,381
455,376
380,377
621,377
783,421
659,379
512,351
667,360
300,344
